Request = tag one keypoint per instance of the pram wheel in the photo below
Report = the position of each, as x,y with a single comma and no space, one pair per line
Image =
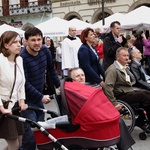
143,136
110,148
113,148
75,147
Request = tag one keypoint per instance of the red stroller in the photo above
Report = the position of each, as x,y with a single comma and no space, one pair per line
93,120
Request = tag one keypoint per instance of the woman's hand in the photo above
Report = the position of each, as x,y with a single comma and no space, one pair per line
143,35
23,105
5,111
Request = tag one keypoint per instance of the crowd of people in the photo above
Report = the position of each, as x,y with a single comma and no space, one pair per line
110,60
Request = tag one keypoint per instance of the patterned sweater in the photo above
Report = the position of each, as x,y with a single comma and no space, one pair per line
34,68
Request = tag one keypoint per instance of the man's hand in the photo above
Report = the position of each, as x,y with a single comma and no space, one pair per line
58,91
120,39
102,84
46,99
118,106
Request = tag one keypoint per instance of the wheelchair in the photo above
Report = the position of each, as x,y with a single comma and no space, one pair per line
129,113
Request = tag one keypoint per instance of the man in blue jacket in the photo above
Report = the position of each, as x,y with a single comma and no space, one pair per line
36,60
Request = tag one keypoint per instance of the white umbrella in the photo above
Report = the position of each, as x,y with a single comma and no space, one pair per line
54,27
5,27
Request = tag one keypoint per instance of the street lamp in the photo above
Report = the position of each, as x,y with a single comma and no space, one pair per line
103,16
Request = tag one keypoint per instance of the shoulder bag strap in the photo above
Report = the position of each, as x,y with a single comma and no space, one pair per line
15,71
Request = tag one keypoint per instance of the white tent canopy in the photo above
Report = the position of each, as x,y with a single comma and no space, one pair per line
79,24
54,27
5,27
136,19
108,20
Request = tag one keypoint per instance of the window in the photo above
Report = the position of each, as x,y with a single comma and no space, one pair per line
23,3
42,2
5,6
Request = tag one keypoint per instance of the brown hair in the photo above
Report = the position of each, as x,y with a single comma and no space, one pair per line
7,37
84,34
130,41
72,70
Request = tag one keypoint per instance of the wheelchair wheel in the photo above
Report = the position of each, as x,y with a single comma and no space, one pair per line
128,115
143,136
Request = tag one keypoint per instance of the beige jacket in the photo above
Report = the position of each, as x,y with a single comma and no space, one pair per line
115,83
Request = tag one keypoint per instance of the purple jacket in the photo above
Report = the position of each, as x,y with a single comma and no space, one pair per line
146,43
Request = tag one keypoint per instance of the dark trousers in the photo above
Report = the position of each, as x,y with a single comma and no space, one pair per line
126,140
28,141
142,97
148,60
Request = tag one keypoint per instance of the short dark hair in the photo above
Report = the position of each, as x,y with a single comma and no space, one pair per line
112,25
7,37
32,31
84,34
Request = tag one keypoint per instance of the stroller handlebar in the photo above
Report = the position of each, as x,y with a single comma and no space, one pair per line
35,124
52,113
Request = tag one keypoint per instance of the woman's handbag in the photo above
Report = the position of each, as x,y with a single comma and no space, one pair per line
6,103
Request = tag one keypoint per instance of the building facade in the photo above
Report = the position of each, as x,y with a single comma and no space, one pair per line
93,10
22,13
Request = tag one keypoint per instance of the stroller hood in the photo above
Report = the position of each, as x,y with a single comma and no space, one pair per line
89,107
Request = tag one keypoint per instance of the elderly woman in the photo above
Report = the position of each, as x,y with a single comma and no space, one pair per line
89,59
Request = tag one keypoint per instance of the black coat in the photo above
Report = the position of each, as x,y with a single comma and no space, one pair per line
110,47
